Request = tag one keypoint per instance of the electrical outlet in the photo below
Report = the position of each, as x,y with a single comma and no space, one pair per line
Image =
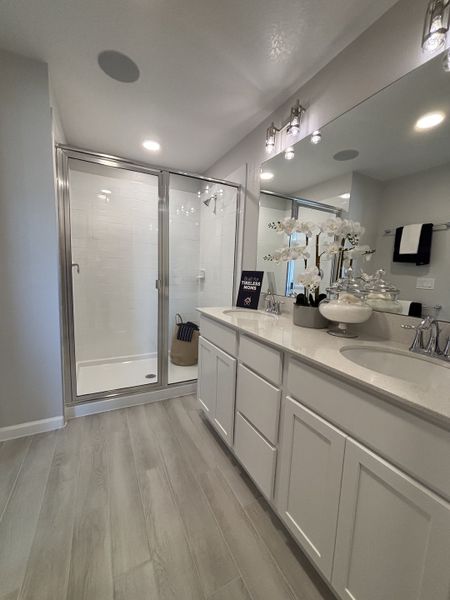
425,283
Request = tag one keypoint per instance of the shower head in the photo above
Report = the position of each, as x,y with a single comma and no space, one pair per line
207,201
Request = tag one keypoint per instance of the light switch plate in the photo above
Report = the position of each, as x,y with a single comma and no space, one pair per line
425,283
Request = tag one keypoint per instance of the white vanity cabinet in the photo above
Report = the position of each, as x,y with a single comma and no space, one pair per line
310,474
362,483
217,387
393,538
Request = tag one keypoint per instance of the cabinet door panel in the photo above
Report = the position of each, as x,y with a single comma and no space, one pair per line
207,377
225,395
393,537
312,456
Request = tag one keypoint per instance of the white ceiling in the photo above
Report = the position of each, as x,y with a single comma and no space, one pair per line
382,130
211,70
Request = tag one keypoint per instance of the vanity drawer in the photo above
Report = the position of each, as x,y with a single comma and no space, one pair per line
222,336
256,454
410,442
261,358
259,402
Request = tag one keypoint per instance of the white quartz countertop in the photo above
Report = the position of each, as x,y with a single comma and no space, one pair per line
316,347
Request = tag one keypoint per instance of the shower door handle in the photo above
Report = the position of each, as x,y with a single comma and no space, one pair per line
158,284
76,266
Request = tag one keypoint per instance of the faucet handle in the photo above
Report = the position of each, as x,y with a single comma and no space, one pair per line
424,324
446,351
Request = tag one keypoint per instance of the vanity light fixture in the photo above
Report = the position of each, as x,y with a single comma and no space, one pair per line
297,112
289,153
266,175
436,25
271,134
316,137
428,121
151,145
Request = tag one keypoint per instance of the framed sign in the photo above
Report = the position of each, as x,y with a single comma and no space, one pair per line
250,289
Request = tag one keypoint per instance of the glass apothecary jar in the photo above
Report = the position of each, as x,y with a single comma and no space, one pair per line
346,305
382,295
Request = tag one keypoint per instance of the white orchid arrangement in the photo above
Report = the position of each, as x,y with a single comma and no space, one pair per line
344,245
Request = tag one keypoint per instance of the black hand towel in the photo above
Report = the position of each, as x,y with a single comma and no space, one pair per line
424,250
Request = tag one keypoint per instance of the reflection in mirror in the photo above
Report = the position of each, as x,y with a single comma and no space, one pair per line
385,164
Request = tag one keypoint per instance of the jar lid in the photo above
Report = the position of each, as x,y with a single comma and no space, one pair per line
349,285
375,284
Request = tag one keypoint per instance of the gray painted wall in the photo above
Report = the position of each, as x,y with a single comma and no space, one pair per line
386,51
419,198
30,361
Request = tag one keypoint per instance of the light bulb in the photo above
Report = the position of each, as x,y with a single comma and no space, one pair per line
101,196
436,25
266,175
316,137
270,138
289,153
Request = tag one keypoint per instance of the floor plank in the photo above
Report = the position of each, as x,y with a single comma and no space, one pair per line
12,455
91,562
235,590
213,559
175,571
129,542
203,445
48,565
18,526
259,571
299,572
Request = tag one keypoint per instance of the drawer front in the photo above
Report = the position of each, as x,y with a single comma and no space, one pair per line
264,360
256,454
222,336
259,402
411,443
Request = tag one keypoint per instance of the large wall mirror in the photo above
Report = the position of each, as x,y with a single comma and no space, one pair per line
385,164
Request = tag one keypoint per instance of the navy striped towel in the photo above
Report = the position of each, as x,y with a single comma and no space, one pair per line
186,331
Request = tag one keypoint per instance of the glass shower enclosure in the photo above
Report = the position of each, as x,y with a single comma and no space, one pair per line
141,248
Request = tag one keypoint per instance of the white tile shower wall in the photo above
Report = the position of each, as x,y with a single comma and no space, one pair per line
184,224
115,243
217,245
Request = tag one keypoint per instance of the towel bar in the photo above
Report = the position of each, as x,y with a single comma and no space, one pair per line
436,227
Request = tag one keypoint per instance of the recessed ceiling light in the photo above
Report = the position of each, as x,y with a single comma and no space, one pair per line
118,66
266,175
152,145
429,120
345,196
106,191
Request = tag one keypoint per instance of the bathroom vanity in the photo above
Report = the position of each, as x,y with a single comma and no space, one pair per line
355,462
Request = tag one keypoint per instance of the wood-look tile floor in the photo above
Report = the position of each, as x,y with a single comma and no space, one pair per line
141,503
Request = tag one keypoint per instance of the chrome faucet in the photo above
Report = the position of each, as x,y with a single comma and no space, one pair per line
432,347
272,304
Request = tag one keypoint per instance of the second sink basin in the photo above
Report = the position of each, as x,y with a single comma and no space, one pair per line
400,364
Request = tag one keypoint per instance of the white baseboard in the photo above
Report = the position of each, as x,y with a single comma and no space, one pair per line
31,428
99,406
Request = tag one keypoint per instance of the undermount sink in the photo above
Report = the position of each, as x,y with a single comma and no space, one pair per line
400,364
255,315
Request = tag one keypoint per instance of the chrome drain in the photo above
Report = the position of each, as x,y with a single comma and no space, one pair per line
150,376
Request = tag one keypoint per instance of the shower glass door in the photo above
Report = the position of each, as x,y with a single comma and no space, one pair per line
114,231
